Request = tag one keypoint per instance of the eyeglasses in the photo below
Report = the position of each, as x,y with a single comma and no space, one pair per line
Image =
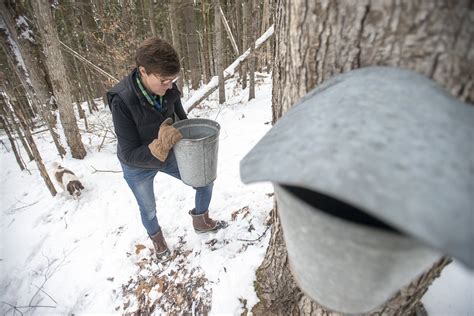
166,81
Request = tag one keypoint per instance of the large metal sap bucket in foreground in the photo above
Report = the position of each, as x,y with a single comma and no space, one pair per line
373,175
196,153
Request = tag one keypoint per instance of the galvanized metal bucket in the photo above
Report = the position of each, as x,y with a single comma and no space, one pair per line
346,266
196,153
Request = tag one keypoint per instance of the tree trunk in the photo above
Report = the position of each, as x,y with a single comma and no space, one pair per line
238,29
219,53
252,58
25,82
88,26
151,16
57,72
174,19
316,40
265,53
29,51
32,145
6,126
20,134
206,65
192,43
245,36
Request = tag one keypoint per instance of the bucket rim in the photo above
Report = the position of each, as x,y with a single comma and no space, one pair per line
216,135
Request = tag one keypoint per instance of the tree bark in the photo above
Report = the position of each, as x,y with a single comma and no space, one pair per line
151,16
29,95
29,50
32,145
316,40
238,29
192,43
218,50
174,19
20,135
265,53
57,72
245,36
252,58
89,49
206,65
6,126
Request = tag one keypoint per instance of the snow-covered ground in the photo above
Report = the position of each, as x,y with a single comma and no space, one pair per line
87,256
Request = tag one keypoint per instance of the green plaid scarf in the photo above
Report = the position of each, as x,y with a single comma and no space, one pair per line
153,100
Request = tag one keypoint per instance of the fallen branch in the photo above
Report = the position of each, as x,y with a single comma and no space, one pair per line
46,294
229,32
213,84
258,239
97,170
103,139
22,207
87,62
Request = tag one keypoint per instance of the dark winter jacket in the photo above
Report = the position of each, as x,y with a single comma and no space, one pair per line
137,123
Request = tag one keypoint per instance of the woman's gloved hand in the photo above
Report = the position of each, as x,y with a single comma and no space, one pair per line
168,136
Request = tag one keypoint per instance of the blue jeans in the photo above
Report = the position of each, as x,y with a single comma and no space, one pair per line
140,182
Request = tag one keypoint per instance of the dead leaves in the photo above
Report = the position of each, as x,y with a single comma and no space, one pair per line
244,210
138,248
173,287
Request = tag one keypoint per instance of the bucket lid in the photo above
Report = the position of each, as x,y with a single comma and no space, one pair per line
388,141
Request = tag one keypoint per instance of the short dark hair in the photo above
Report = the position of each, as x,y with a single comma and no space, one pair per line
157,57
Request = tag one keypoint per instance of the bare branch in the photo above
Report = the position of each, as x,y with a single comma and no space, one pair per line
19,208
258,239
111,171
84,60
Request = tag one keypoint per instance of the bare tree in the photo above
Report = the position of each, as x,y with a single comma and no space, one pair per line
56,69
204,38
151,16
265,54
219,53
192,42
175,30
29,68
7,127
31,143
252,7
318,39
245,39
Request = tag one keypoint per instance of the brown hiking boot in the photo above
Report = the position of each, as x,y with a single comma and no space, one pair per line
161,248
203,224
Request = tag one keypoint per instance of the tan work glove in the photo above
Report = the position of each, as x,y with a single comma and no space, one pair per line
168,136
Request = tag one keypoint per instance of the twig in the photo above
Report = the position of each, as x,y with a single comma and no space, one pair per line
38,132
47,276
102,143
46,294
258,239
22,207
97,170
36,306
1,141
12,306
88,63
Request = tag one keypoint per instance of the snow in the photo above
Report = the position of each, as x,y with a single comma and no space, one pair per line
26,32
15,49
81,252
78,251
